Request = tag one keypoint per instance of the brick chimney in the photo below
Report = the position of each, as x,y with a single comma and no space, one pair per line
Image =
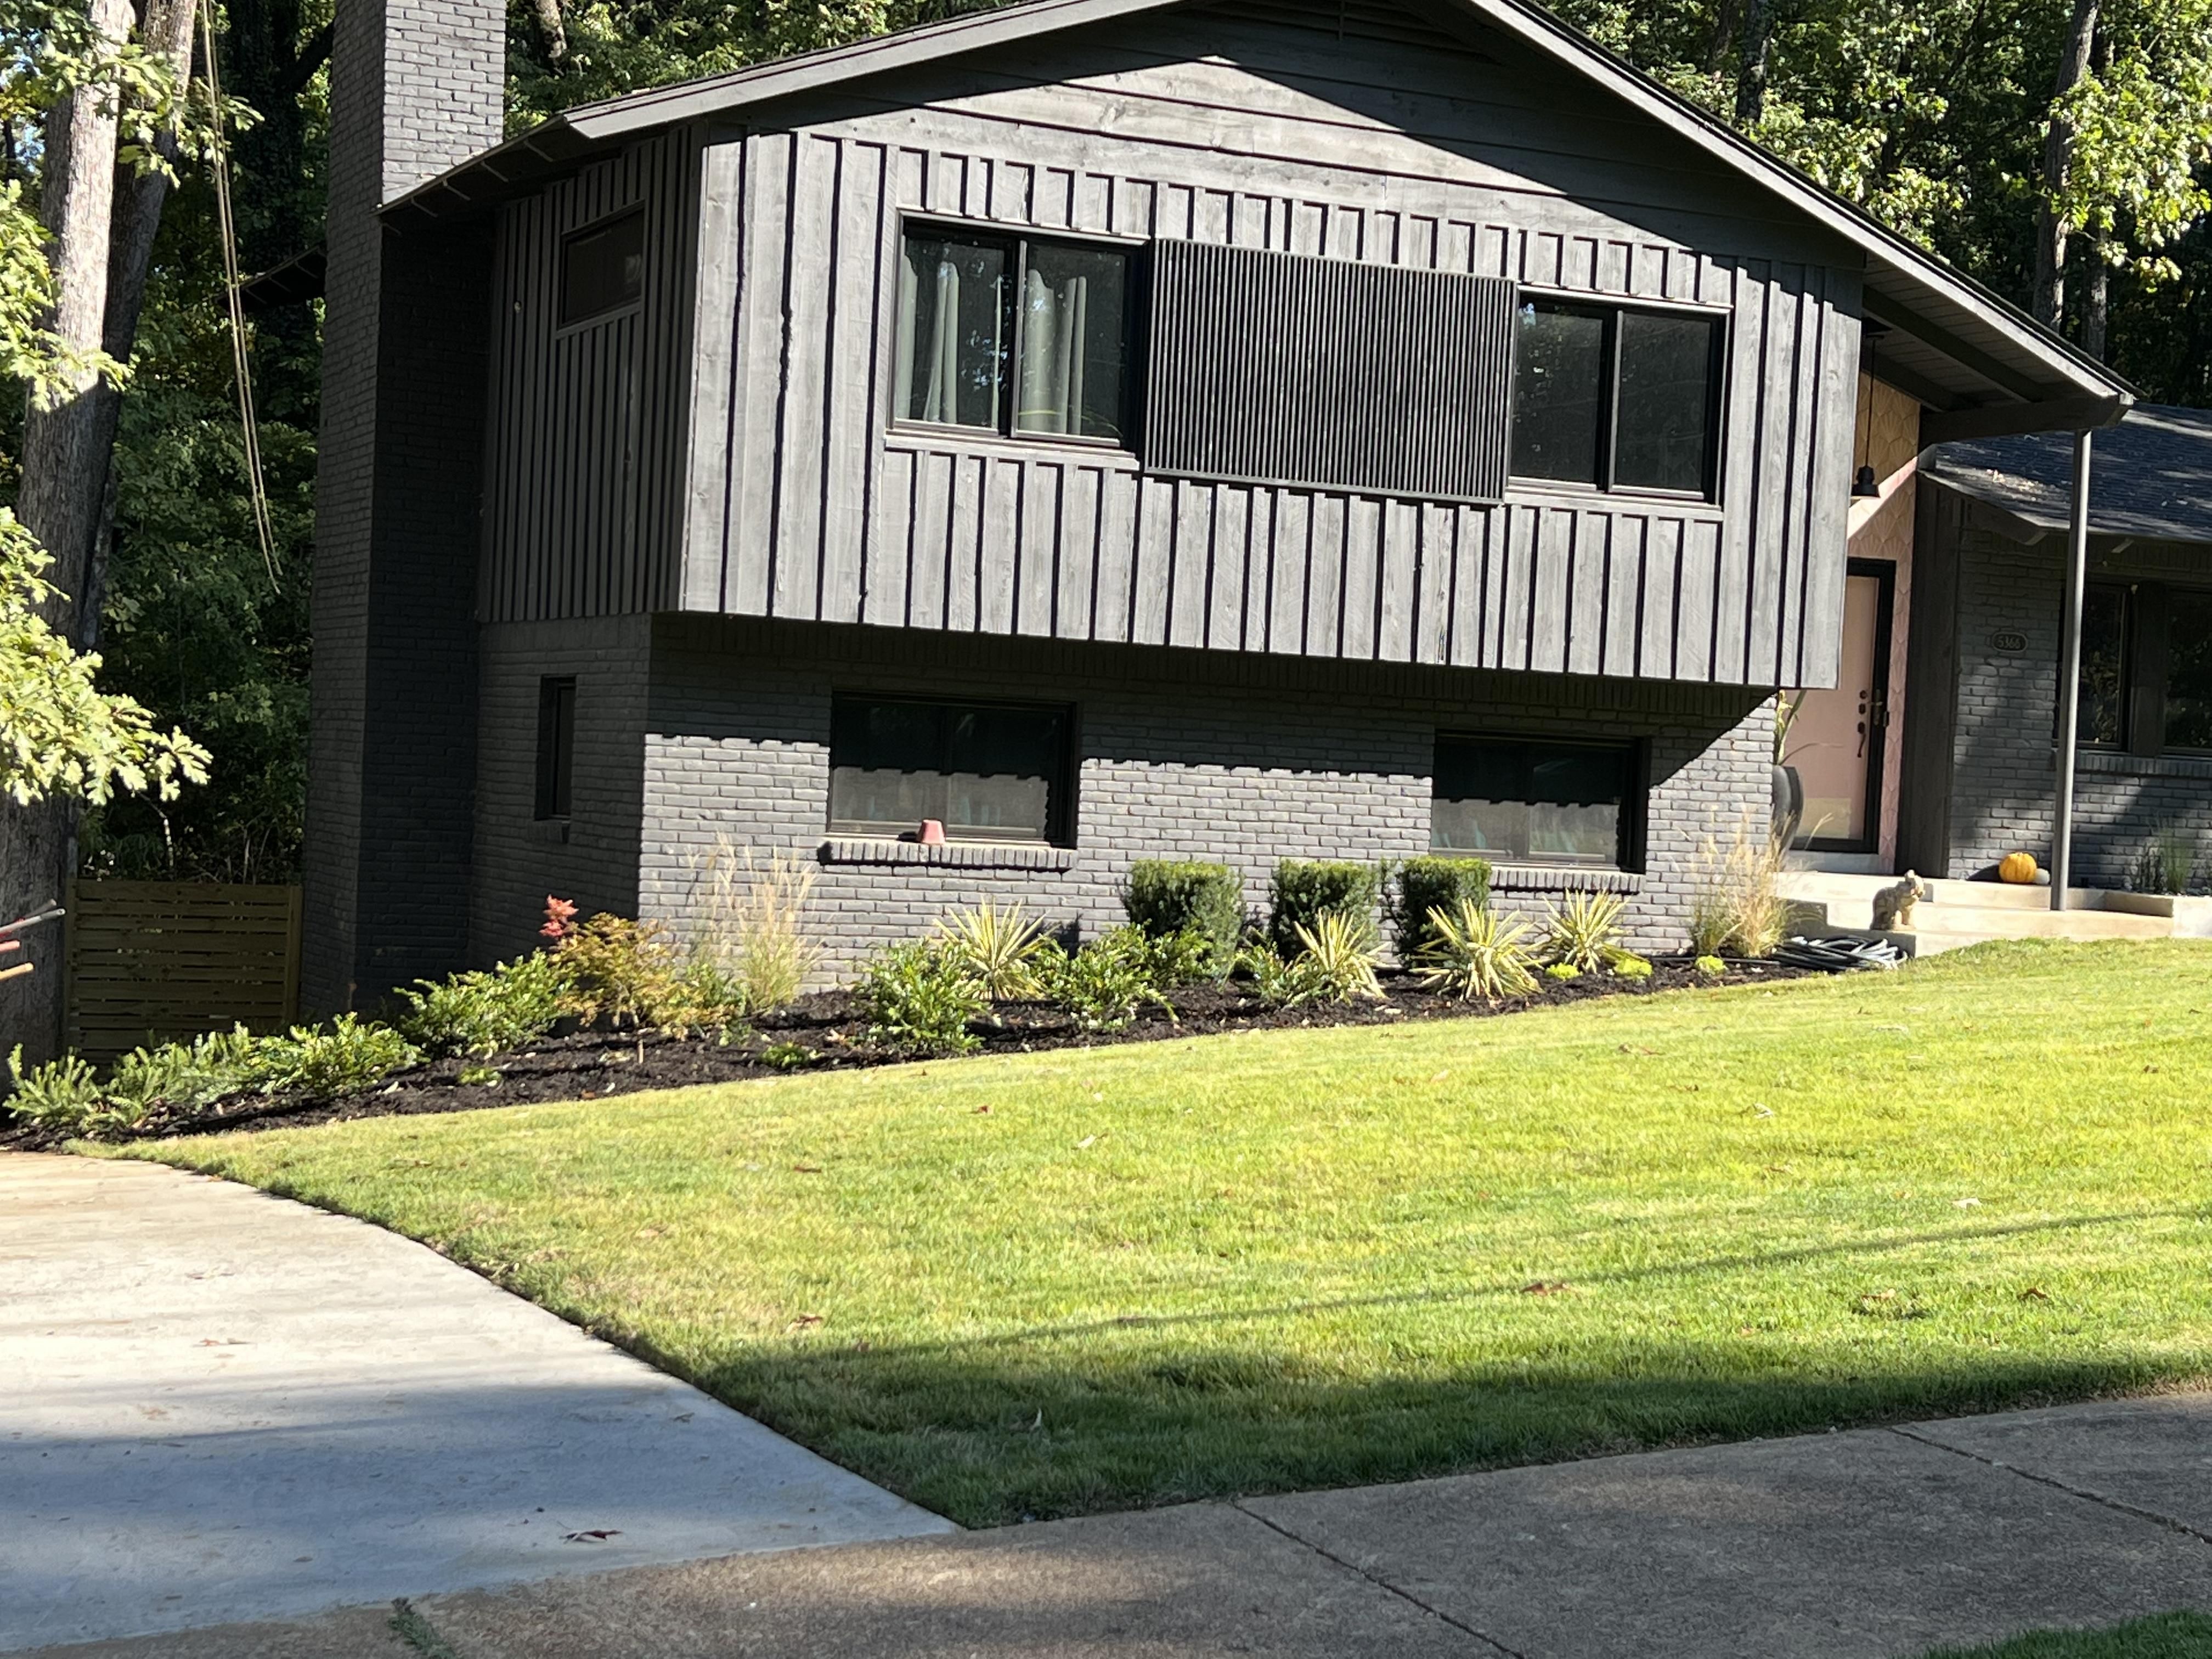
416,86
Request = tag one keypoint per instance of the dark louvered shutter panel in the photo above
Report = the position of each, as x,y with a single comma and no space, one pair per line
1277,368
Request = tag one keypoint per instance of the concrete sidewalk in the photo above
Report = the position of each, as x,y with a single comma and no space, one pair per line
1878,1544
215,1404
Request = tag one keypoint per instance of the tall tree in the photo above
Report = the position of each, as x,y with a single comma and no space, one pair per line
2052,229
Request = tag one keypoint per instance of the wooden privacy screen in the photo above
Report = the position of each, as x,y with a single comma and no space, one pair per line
154,961
1279,368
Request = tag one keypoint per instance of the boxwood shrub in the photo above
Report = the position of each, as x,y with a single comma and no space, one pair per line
1165,899
1420,885
1303,893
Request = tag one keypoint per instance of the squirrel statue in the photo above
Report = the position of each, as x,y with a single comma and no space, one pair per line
1893,906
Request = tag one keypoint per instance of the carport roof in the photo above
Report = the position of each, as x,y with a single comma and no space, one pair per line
2152,480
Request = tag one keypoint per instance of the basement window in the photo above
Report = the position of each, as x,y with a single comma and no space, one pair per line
985,771
1534,800
602,269
557,745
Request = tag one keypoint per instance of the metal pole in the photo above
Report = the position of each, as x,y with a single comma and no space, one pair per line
2069,675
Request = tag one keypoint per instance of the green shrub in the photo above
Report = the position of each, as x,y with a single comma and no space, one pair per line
1629,965
635,974
1104,984
921,996
1477,954
61,1095
1303,893
1207,900
1420,886
1562,972
1583,931
186,1079
347,1058
1338,956
1185,959
999,947
1713,967
484,1011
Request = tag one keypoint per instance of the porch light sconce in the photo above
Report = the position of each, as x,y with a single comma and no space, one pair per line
1866,486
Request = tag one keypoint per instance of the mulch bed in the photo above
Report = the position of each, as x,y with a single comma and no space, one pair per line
597,1063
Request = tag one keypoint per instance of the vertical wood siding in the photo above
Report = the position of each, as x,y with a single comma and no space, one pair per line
587,436
805,506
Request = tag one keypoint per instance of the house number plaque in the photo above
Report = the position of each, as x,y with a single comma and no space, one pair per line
2010,643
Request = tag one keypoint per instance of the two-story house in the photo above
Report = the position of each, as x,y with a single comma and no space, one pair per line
1109,430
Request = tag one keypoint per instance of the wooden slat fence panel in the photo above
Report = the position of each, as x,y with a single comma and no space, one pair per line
159,961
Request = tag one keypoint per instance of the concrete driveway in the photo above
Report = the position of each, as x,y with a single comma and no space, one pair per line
217,1405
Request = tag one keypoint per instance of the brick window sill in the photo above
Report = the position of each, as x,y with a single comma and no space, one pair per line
2107,763
950,855
1548,878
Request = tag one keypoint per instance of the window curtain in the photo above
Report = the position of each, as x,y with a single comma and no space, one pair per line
1053,339
937,360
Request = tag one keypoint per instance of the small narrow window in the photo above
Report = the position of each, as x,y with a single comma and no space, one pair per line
1534,801
2188,672
985,771
1013,336
602,269
1617,399
557,745
2102,719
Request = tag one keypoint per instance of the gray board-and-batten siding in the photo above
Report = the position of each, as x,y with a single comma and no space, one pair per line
805,502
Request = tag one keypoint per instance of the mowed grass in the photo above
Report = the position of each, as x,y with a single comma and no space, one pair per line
1084,1280
2170,1636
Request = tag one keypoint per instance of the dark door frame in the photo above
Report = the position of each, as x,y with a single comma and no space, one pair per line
1874,728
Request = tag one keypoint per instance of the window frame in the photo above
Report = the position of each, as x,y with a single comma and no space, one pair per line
1629,833
2159,699
1613,308
556,791
2132,683
564,325
1018,239
1060,784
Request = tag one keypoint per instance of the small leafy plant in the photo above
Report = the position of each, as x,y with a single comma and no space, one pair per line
484,1011
61,1095
788,1057
2166,864
1172,900
349,1057
1479,953
1280,982
1562,972
1104,984
919,995
1629,965
999,948
1711,966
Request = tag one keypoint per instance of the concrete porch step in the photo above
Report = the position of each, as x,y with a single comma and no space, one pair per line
1963,913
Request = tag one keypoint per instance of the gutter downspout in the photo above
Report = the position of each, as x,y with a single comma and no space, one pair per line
2069,673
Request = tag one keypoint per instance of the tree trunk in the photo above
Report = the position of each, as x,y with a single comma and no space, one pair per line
63,481
1751,71
2052,230
2097,314
555,32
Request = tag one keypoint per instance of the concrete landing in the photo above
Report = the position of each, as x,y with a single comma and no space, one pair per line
219,1405
1964,913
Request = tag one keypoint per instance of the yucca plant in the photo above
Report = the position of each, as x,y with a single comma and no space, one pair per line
999,949
1584,932
1339,950
1474,952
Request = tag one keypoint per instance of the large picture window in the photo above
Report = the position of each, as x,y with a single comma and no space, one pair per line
1014,335
2189,671
2103,718
1612,398
1535,800
986,771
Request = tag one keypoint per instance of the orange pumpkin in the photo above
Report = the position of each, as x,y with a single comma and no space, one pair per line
2018,868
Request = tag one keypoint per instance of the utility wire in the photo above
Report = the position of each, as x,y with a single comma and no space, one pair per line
233,289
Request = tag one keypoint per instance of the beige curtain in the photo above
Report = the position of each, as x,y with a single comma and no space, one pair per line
937,363
1054,328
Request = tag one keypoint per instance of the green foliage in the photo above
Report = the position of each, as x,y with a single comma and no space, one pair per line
921,996
1205,900
485,1012
1419,886
1711,966
1629,965
62,1094
1279,981
1185,959
1583,932
999,949
1479,953
2166,864
1104,984
633,974
2164,1636
788,1057
345,1057
1302,893
1339,957
1562,972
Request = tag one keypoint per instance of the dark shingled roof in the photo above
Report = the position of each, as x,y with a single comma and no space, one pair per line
2151,475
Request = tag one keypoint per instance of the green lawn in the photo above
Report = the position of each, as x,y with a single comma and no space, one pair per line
2171,1636
1043,1284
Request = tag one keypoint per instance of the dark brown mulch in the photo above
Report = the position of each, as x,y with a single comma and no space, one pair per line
833,1035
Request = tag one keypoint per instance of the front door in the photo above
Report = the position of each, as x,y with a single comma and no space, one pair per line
1836,739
